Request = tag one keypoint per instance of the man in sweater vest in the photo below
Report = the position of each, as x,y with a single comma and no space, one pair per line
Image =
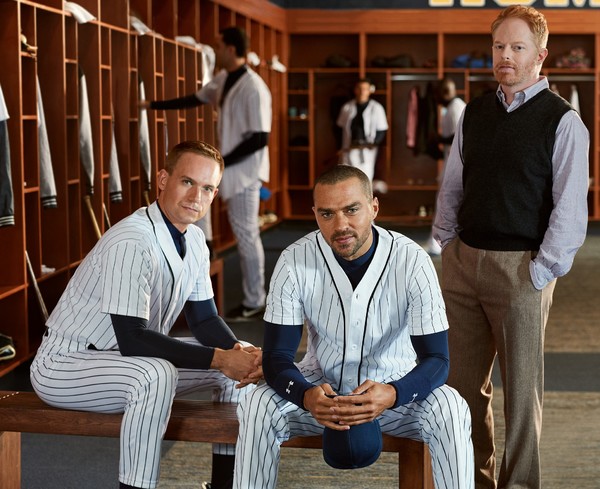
512,213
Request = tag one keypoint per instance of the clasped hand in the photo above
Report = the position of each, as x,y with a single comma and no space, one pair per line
242,363
339,412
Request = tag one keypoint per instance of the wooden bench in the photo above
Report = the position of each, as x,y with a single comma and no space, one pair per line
191,420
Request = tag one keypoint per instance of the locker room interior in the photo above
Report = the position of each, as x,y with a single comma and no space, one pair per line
310,54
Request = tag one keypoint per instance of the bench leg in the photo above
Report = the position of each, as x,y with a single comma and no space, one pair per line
10,460
414,468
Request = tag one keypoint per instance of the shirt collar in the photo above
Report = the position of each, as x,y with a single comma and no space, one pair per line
524,95
176,234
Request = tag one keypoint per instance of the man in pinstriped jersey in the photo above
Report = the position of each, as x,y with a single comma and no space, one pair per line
372,306
107,348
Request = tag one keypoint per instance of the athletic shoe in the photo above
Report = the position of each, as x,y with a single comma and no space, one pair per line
432,247
7,349
242,313
206,485
380,187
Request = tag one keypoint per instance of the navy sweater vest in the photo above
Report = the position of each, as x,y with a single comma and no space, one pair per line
507,174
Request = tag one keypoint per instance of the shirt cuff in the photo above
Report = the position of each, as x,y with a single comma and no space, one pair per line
540,275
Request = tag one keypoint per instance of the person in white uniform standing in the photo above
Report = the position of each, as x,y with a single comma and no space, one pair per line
452,109
243,102
364,125
107,347
377,330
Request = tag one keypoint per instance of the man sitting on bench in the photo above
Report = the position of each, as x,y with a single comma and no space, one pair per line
370,299
107,347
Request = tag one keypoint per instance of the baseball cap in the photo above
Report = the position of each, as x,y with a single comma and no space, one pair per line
358,447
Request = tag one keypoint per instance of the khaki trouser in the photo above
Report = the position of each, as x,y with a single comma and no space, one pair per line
494,309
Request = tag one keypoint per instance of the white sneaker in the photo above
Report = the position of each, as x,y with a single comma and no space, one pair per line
433,248
379,186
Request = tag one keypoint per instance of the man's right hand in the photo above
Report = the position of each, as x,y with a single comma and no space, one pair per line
316,400
237,363
144,104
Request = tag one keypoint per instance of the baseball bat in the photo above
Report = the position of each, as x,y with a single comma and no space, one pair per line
88,203
106,218
36,288
147,197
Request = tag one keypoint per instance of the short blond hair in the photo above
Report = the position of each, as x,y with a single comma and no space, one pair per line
534,18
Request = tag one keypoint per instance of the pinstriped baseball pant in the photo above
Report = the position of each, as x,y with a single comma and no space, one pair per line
441,420
143,388
242,210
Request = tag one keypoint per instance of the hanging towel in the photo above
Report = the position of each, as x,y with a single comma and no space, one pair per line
138,25
47,182
7,203
82,16
86,145
208,63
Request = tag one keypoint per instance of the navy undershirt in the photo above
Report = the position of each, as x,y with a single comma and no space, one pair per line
176,234
232,77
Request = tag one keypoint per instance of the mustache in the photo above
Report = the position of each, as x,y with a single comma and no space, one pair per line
343,234
195,208
504,65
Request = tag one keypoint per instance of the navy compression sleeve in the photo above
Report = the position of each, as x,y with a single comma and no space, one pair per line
207,326
186,102
279,349
256,141
135,339
430,372
379,135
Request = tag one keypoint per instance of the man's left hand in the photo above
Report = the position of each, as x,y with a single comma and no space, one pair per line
368,401
256,376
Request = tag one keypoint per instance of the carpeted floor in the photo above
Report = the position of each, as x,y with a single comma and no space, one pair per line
571,433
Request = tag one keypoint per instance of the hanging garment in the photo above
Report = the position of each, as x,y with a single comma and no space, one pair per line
427,125
412,117
115,190
7,203
47,182
145,140
575,98
86,145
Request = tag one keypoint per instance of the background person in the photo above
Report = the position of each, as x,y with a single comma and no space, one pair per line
452,109
511,214
243,102
364,125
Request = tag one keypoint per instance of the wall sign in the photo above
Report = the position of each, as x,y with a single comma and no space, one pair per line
426,4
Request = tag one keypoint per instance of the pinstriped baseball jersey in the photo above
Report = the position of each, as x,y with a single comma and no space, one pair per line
134,270
246,109
360,334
